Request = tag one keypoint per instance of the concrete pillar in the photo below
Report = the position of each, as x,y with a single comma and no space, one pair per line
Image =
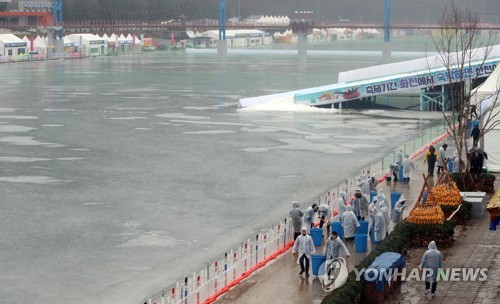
50,43
222,49
302,46
386,52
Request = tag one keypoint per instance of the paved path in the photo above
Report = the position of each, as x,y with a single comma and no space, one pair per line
476,246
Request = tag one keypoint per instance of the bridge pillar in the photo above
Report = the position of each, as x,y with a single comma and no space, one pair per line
386,52
222,43
302,46
222,49
302,26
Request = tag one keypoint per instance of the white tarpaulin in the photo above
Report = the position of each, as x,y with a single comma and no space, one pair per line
492,145
488,99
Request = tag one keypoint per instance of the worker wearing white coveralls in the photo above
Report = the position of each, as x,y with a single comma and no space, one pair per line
398,209
304,245
381,198
378,225
309,215
332,249
350,223
342,205
432,261
326,211
385,212
407,166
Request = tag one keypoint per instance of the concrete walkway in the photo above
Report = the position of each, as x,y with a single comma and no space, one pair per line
475,246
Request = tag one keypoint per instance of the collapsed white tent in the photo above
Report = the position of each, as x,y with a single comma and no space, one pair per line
487,99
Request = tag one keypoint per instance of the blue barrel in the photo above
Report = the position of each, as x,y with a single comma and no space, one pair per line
394,198
363,227
317,236
360,242
337,227
317,261
400,176
450,165
372,195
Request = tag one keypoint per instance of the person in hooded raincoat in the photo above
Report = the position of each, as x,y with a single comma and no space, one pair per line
309,216
398,209
342,205
350,223
442,159
360,205
385,212
399,157
364,186
394,169
373,204
296,215
325,212
372,183
378,225
332,249
381,197
432,261
407,166
304,245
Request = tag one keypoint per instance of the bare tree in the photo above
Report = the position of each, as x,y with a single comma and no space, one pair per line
465,50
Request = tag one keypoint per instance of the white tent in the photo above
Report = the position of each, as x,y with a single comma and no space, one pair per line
487,97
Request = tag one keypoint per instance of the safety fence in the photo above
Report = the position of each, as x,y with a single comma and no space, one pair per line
236,265
206,285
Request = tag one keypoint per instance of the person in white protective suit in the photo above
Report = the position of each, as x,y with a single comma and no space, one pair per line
332,250
364,186
304,246
385,211
296,216
373,183
373,204
399,157
342,205
350,223
432,262
381,197
398,209
360,205
371,211
378,225
407,166
309,216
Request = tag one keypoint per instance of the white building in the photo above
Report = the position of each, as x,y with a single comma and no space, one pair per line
91,45
13,47
241,38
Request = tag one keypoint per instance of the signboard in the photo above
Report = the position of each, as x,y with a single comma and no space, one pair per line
16,44
97,42
357,90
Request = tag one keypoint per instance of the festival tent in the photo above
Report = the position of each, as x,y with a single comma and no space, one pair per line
122,40
487,99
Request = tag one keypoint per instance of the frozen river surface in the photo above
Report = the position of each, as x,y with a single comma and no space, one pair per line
120,176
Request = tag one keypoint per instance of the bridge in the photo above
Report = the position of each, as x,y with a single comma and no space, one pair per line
428,75
44,19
